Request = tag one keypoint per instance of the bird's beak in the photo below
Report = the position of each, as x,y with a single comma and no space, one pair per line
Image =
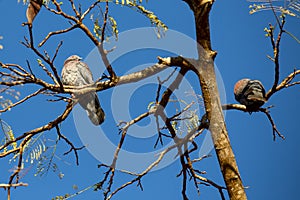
80,58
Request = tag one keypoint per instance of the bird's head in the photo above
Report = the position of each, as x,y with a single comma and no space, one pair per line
240,85
73,58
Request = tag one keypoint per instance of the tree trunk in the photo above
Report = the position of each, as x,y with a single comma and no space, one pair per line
206,73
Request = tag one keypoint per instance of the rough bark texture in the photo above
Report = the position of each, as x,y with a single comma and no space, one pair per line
206,73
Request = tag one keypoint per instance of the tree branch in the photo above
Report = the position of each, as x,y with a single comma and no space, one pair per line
73,148
206,73
57,33
22,100
6,186
276,49
275,130
287,82
46,127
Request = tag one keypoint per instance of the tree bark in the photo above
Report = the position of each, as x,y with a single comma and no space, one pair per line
206,73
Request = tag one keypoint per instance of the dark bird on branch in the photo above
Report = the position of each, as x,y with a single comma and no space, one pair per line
250,93
33,9
77,73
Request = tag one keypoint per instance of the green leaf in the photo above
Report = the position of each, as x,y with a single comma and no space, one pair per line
8,132
290,8
114,26
136,4
151,16
97,29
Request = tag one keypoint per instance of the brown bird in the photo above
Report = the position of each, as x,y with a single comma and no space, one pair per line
77,73
250,93
33,9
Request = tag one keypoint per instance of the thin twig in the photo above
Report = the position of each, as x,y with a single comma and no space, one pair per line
89,10
149,168
6,186
72,148
120,144
284,84
56,51
56,33
30,44
46,127
74,9
276,49
22,100
275,130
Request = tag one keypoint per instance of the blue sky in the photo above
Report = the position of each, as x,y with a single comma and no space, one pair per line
270,169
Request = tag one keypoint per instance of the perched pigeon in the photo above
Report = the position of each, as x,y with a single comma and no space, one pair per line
33,9
77,73
250,93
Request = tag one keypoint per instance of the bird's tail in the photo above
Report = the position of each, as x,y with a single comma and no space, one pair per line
91,104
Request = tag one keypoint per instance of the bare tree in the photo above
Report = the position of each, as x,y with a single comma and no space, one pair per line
15,75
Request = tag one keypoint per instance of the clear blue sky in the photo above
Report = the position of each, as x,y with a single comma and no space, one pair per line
270,169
